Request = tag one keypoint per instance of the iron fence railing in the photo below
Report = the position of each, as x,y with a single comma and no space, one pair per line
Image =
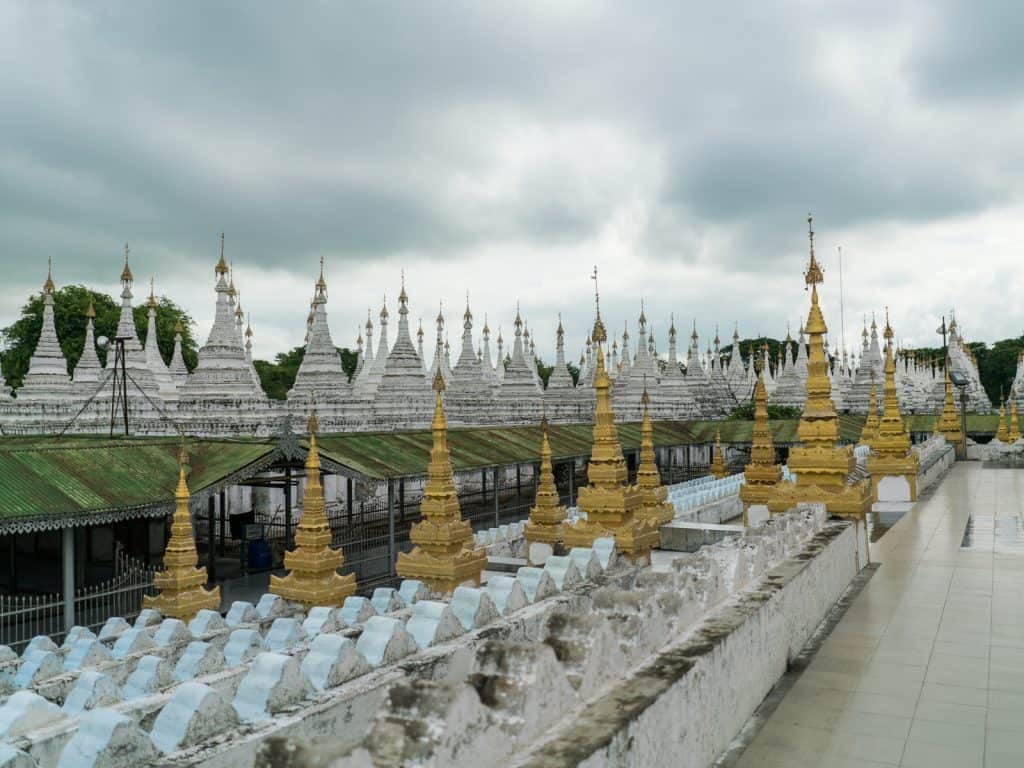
25,616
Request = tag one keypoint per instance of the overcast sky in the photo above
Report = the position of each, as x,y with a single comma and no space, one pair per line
507,148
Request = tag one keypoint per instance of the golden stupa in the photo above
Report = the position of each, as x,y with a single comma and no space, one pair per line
612,507
870,429
655,509
891,455
1014,433
313,577
821,465
1002,433
182,595
948,422
762,473
444,557
547,514
717,467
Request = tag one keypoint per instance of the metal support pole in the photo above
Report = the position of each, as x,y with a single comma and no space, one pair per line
401,500
68,550
391,526
519,484
572,482
963,417
483,487
351,503
223,518
287,507
211,554
497,515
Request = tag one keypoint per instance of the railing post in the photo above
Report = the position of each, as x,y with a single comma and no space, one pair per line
391,525
68,550
494,493
572,481
287,507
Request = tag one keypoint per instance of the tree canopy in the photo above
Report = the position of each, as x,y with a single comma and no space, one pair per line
279,376
69,306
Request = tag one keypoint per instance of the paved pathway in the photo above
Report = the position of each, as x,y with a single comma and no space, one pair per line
926,668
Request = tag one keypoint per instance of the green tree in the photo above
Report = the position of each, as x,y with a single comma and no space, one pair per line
349,361
69,307
544,371
574,371
745,412
279,376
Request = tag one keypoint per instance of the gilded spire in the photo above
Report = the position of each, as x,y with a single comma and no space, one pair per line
48,286
610,504
181,582
762,473
718,468
151,301
126,273
1002,433
222,266
90,311
891,455
443,556
870,429
1014,434
403,297
547,514
655,509
598,334
313,577
948,423
178,329
321,283
822,466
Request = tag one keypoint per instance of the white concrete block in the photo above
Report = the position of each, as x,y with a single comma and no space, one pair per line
384,641
135,640
107,739
537,583
87,652
194,713
25,711
563,571
432,622
148,617
14,758
113,627
473,607
271,607
331,660
241,612
283,634
206,622
92,689
507,594
274,682
386,600
7,654
357,610
587,562
75,634
243,645
172,632
39,643
539,552
151,674
322,619
36,666
605,549
199,658
412,590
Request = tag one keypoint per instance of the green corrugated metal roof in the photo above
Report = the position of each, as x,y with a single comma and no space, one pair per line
59,477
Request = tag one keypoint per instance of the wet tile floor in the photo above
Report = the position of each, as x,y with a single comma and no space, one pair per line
926,667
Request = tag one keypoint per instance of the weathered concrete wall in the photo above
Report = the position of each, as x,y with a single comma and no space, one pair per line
686,704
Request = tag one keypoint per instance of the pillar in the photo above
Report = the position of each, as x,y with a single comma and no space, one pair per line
68,568
494,493
348,496
391,526
572,482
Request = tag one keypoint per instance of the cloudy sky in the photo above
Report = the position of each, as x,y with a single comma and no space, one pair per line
507,148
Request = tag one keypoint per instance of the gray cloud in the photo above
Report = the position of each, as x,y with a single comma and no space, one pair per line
372,131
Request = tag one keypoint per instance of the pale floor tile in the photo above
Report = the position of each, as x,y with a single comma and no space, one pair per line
1006,700
923,754
880,749
880,704
1006,720
962,734
955,694
1005,743
889,726
948,712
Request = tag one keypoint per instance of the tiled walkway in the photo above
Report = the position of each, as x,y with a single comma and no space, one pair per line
926,668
